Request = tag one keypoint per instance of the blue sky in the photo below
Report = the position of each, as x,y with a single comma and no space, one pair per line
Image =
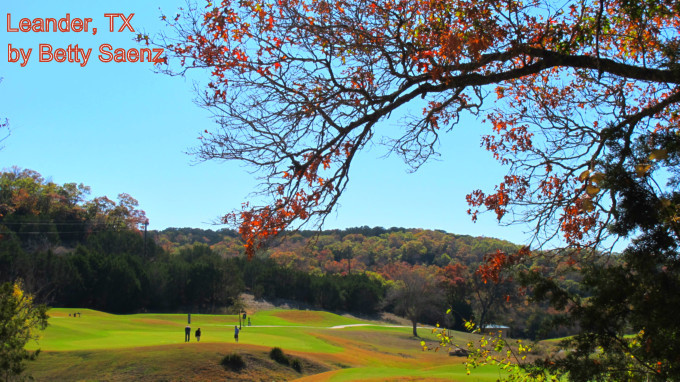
120,127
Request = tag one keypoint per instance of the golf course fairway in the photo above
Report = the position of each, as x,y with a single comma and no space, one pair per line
97,346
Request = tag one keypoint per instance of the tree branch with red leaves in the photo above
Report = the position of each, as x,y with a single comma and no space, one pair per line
299,87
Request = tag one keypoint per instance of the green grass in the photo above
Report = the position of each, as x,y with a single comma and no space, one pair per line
96,330
296,318
445,372
101,346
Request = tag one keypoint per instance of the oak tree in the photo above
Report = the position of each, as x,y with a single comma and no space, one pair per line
582,99
298,88
415,292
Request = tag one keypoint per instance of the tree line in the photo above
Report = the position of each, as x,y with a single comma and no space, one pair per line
70,251
73,251
444,266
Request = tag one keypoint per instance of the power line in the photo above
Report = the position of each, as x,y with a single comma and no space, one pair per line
57,223
57,233
41,223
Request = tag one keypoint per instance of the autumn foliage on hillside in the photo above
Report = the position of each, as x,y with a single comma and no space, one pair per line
444,264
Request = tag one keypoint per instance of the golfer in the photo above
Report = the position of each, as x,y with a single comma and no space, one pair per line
236,333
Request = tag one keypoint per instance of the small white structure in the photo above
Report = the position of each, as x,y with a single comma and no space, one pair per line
495,330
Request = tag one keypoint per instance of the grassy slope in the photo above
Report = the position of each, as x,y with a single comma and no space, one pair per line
100,346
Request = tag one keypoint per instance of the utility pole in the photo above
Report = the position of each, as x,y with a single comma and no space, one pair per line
146,224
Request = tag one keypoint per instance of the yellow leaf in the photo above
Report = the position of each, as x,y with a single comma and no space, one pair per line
642,168
658,154
587,205
597,177
584,175
592,190
17,292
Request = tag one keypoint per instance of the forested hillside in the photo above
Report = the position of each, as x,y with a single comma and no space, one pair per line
350,249
76,251
445,265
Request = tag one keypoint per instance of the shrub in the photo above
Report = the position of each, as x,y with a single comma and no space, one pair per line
233,361
20,321
277,355
296,365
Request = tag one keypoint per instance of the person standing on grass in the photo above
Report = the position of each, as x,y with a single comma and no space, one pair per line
198,335
187,334
236,333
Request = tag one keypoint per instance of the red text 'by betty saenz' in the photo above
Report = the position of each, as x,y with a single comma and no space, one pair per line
74,52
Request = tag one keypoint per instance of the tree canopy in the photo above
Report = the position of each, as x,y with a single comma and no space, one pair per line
42,213
298,88
581,98
416,291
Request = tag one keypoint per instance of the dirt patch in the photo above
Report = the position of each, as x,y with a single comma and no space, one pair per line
254,305
301,317
392,318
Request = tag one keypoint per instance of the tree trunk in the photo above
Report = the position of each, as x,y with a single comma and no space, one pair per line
415,333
